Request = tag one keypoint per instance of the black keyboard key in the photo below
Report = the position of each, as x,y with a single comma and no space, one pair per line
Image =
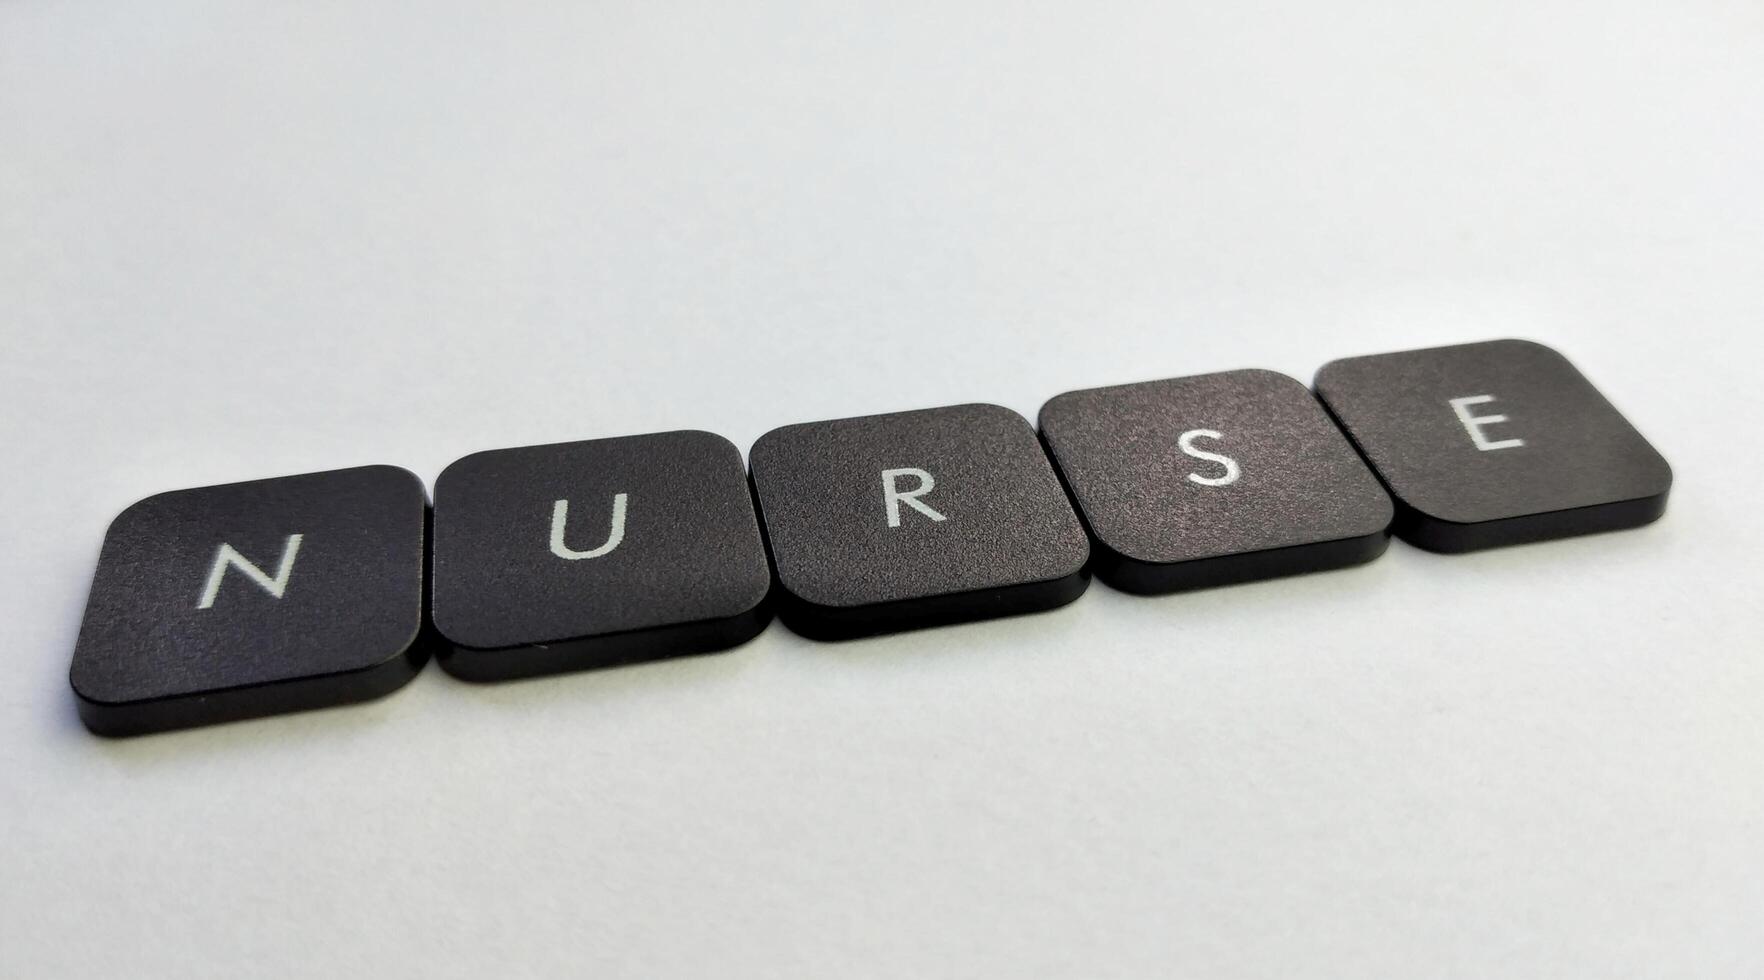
892,522
1493,444
254,598
597,553
1214,479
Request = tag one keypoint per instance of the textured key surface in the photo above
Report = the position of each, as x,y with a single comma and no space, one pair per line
254,598
1495,443
915,518
589,554
1218,478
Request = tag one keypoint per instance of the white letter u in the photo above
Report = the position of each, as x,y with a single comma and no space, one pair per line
560,516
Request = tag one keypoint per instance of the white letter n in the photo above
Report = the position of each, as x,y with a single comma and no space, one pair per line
226,557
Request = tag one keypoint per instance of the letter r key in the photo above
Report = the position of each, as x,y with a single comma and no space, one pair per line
971,523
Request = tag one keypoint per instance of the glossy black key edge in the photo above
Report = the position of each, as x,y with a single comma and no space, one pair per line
1445,537
825,623
1139,577
833,623
1441,536
482,665
255,701
148,717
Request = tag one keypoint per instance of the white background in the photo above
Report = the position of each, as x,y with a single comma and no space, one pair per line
242,240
